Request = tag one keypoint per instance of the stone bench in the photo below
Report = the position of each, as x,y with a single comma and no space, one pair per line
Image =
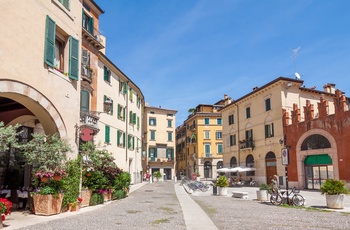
239,194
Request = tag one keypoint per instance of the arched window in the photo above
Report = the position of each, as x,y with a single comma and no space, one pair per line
315,141
250,163
270,155
233,162
220,165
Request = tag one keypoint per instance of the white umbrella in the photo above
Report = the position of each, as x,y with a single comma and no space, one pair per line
242,169
224,170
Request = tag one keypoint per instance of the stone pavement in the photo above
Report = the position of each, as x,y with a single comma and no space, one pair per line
192,214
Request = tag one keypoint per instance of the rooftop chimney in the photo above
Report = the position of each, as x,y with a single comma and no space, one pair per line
329,88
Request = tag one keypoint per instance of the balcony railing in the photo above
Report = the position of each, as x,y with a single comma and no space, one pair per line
246,144
86,72
209,155
90,120
93,37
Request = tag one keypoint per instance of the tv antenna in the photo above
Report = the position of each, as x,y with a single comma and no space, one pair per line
295,52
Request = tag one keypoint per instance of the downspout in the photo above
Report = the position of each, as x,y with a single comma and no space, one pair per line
238,137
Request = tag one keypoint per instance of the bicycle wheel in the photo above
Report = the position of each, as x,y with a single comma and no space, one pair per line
275,199
298,200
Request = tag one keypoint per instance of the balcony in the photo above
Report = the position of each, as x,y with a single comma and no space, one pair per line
209,155
89,120
86,73
192,127
94,37
248,143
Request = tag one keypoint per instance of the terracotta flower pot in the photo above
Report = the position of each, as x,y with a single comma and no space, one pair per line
44,179
57,177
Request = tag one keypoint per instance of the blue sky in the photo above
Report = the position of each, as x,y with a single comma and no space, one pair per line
182,53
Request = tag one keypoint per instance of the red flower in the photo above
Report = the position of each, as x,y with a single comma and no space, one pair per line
80,200
5,206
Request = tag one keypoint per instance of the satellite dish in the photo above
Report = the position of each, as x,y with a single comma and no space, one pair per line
297,76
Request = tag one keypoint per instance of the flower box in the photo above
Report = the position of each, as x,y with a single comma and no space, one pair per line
47,205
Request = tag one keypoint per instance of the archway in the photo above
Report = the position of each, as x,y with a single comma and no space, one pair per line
271,166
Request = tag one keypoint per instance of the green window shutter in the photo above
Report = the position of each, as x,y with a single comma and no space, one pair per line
155,152
91,26
105,73
219,148
73,58
118,138
84,100
107,134
134,118
125,86
138,122
124,114
133,142
119,111
65,3
50,38
111,108
123,140
130,117
129,141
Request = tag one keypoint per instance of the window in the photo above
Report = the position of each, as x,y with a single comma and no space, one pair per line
269,132
206,121
120,138
247,112
170,136
55,44
121,112
206,134
218,135
138,122
88,23
218,121
85,64
152,121
233,140
131,95
84,100
107,105
268,104
65,3
131,142
107,134
219,148
153,135
152,154
250,163
106,74
231,119
170,153
207,149
170,123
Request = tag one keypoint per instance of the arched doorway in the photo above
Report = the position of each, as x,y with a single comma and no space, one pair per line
271,166
318,167
207,169
233,163
250,163
220,165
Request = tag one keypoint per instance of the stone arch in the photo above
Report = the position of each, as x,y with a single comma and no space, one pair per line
40,107
302,154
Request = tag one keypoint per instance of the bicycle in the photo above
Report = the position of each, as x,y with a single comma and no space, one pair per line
278,197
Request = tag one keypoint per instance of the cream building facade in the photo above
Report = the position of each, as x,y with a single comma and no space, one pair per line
120,120
253,126
159,141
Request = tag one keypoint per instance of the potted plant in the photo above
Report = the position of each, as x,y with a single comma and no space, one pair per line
334,190
5,209
222,184
198,175
157,175
47,155
262,193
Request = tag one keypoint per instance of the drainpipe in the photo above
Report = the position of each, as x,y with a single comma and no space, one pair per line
238,137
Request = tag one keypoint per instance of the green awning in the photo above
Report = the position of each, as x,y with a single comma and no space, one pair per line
321,159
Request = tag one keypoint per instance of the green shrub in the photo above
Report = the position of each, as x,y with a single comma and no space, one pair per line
118,194
96,199
222,182
334,187
122,181
70,182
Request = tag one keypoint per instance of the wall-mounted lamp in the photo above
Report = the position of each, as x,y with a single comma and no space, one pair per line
281,141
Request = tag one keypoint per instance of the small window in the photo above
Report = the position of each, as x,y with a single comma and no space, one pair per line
247,111
170,123
107,134
65,3
269,132
233,140
268,104
106,74
152,122
218,121
170,136
231,119
88,23
206,121
219,148
218,135
153,135
207,149
207,134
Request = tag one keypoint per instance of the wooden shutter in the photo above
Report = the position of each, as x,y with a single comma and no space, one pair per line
107,134
91,26
50,38
105,73
118,138
73,58
123,139
84,100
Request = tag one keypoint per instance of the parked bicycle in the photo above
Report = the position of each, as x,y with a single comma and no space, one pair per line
278,197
